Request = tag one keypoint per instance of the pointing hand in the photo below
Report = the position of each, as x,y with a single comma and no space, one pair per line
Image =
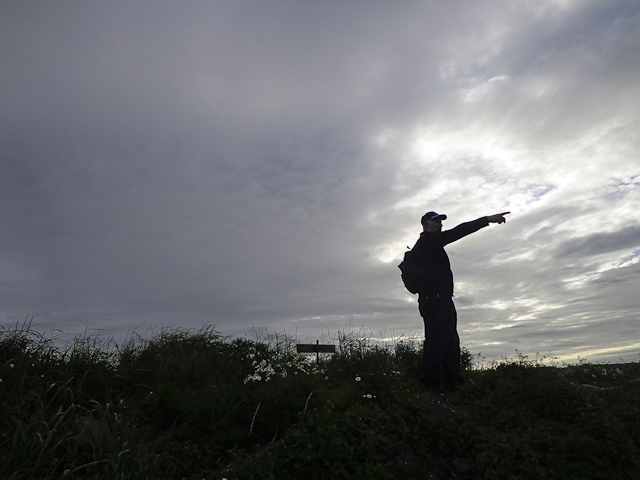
498,217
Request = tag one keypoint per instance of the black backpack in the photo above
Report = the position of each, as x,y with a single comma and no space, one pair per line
413,273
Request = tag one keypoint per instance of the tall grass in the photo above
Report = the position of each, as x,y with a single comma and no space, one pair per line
193,404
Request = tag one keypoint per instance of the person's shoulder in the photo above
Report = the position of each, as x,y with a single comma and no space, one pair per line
427,238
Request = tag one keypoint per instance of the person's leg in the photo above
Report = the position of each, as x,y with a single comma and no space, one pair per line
435,333
451,357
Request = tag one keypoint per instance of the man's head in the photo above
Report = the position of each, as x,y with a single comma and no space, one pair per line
432,222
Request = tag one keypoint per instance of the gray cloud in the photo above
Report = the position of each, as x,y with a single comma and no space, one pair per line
600,243
252,164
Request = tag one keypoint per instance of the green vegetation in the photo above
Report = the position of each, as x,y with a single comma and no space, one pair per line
194,405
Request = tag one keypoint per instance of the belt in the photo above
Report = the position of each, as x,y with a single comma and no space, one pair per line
435,295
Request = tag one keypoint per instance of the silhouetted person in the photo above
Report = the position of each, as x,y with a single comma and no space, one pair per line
435,302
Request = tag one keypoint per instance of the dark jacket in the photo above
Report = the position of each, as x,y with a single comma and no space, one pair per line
430,251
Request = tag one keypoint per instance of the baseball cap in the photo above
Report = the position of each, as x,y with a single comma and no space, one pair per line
432,216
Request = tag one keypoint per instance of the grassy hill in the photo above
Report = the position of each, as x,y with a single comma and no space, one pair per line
195,405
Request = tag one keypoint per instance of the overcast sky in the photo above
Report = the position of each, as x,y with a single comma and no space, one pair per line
266,163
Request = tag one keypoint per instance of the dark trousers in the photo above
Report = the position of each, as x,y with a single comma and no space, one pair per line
442,343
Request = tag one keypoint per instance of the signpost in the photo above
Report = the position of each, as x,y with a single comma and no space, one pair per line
316,348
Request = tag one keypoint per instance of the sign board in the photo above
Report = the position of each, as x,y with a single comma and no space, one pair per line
316,348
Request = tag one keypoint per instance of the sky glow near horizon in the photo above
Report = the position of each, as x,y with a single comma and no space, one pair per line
265,165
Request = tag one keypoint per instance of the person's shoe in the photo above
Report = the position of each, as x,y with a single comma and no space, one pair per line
431,382
453,385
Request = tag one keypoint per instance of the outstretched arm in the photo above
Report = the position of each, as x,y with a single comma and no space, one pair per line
498,217
464,229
